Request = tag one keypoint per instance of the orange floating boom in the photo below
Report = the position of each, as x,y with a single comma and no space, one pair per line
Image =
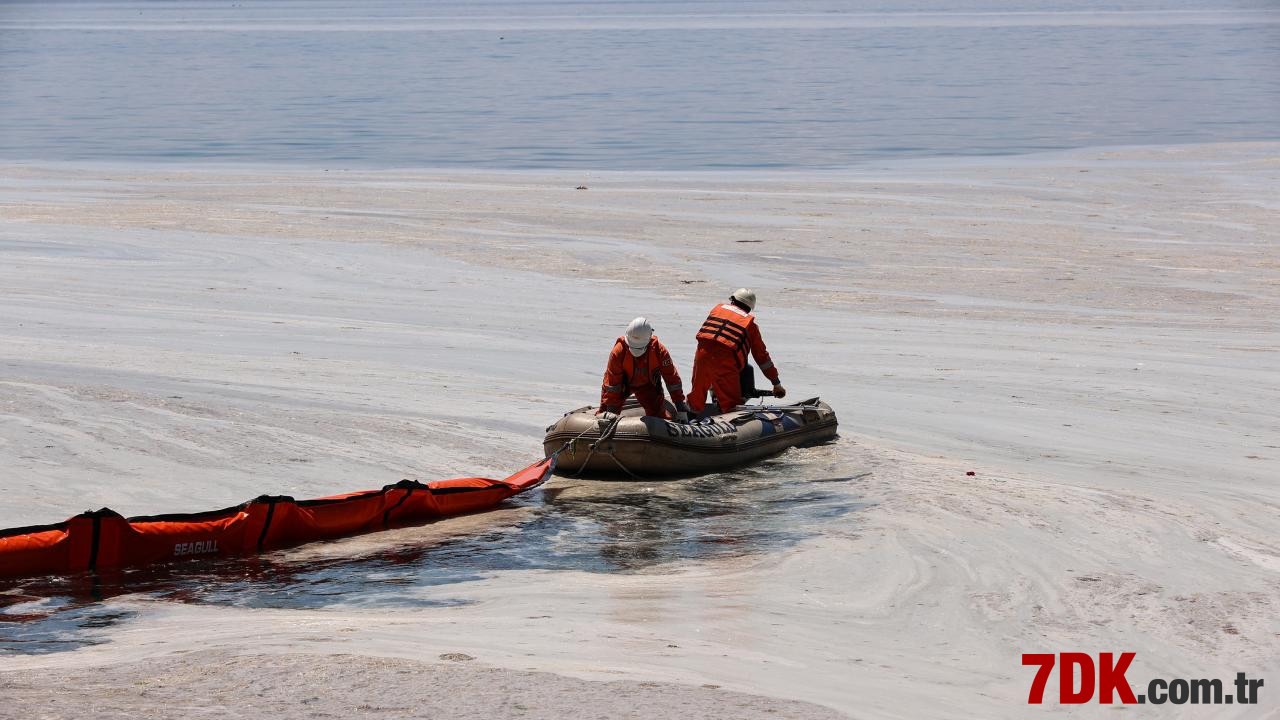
103,539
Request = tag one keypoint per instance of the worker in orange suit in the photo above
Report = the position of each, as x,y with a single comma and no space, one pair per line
726,336
638,364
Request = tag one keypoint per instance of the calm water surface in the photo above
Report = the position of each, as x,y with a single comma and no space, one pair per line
627,85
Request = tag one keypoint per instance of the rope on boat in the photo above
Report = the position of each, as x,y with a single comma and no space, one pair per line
604,435
625,469
607,434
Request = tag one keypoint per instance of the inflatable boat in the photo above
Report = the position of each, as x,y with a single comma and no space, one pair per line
640,446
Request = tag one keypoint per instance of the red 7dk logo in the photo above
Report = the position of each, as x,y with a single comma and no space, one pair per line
1110,676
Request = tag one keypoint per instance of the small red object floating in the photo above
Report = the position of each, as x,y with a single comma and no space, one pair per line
971,473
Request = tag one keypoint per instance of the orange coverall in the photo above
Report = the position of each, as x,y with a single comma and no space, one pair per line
724,340
627,374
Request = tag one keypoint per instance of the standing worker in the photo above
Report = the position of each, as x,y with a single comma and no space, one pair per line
638,364
727,334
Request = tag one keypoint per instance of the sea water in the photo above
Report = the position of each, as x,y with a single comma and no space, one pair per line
627,85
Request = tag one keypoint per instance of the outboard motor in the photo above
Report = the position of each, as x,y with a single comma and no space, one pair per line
747,380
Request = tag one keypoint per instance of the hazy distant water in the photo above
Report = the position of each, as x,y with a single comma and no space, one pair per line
627,85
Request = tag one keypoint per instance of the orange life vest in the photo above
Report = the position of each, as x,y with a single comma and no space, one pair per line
728,325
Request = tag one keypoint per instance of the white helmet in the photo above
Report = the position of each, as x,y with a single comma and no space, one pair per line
638,334
746,297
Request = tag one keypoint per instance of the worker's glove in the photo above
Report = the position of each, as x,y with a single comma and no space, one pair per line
683,413
606,419
779,391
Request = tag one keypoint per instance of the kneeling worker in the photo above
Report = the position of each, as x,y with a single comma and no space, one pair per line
728,333
638,364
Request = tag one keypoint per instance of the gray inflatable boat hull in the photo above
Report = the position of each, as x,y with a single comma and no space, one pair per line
644,446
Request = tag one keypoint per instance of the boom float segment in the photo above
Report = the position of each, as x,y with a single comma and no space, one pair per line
103,539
